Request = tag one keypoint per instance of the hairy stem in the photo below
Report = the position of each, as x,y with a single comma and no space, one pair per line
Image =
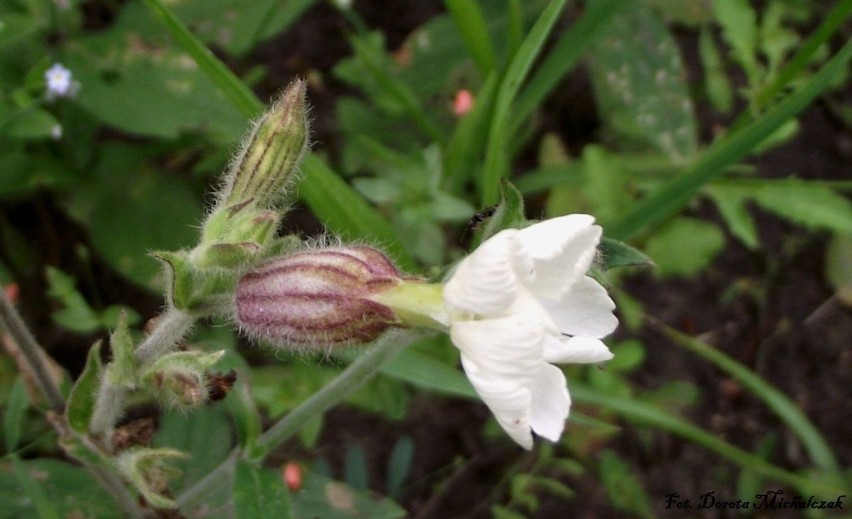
359,372
33,353
364,367
171,327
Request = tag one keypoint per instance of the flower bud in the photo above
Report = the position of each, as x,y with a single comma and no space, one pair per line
318,297
271,153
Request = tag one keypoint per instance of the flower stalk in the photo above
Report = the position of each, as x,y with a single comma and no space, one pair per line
33,353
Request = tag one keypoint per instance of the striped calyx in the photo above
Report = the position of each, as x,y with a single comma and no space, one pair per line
270,155
321,297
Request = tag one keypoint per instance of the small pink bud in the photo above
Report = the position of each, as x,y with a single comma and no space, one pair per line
463,102
318,297
292,476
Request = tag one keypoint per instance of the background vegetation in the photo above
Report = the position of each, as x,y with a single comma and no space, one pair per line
714,136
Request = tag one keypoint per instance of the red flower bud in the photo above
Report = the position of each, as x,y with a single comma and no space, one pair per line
318,297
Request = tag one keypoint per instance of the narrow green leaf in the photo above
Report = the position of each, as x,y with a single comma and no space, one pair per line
641,412
345,212
14,414
832,22
471,25
259,493
237,91
423,371
781,404
838,266
564,55
331,199
81,400
399,464
673,195
496,155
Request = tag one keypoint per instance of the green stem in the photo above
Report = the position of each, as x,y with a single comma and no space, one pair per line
365,367
33,353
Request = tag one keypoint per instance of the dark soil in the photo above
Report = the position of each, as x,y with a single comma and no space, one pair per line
772,310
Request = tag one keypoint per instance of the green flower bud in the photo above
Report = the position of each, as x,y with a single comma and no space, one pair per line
179,379
270,155
149,470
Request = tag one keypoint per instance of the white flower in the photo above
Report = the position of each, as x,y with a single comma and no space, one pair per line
517,304
60,82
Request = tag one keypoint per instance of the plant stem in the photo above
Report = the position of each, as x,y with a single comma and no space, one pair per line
364,367
33,353
171,327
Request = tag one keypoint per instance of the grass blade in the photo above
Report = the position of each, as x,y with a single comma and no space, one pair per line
496,156
345,212
471,25
780,404
342,209
673,195
234,89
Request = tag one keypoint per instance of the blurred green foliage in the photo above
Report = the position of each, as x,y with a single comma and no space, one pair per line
130,156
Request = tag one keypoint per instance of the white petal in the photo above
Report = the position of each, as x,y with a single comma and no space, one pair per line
502,357
484,283
508,346
550,402
562,249
585,310
578,350
509,402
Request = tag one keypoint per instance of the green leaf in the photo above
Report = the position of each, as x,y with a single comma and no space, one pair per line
259,493
684,246
14,414
70,491
623,485
423,371
35,491
123,69
132,207
618,254
640,85
674,194
122,369
30,123
322,497
399,464
471,24
716,82
806,203
565,53
81,400
344,211
76,313
783,407
838,266
496,152
205,434
731,204
739,27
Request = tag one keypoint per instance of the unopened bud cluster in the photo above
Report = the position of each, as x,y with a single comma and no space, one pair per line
318,297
